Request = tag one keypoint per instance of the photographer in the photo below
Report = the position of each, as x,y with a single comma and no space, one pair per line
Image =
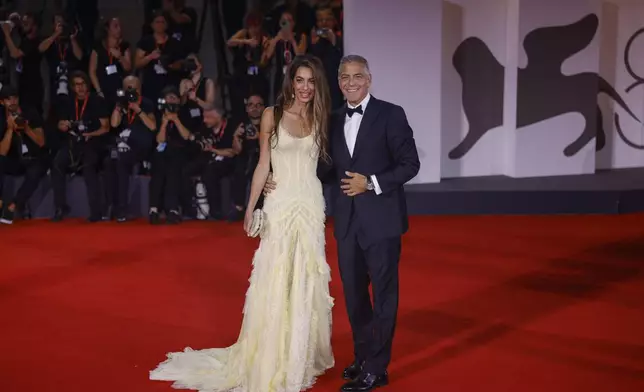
326,44
250,73
63,54
197,92
169,157
22,144
182,23
159,57
246,161
218,142
134,120
283,48
84,123
28,59
110,61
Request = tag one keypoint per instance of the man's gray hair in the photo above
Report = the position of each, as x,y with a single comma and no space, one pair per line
215,108
355,58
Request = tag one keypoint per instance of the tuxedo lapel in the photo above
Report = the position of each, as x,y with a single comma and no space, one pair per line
338,128
370,115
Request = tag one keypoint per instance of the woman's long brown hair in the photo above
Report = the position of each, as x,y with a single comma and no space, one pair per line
318,111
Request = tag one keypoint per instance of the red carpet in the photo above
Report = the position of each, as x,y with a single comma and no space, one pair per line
552,303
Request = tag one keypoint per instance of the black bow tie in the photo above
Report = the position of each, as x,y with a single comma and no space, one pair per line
350,111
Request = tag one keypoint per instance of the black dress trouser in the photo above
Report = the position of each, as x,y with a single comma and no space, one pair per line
88,155
119,172
362,263
211,172
165,181
33,170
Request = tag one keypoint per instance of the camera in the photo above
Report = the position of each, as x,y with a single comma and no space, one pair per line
164,105
77,129
62,79
68,30
321,32
127,96
250,130
18,119
189,65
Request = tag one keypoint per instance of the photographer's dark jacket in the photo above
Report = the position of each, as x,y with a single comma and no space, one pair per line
89,111
109,71
193,108
30,81
221,138
133,131
174,141
60,52
22,146
157,74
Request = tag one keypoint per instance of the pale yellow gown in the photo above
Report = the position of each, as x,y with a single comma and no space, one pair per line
284,343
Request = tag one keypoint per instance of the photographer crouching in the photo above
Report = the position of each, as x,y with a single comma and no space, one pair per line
217,143
135,123
246,161
22,151
84,123
173,140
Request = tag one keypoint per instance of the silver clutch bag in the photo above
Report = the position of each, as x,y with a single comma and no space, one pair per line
257,226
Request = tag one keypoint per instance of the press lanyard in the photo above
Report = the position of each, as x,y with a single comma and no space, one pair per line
78,118
131,114
62,53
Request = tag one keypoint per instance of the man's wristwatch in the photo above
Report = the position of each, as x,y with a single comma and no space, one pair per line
370,186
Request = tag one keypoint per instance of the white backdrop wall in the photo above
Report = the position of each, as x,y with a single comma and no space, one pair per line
547,103
620,22
402,41
546,84
485,20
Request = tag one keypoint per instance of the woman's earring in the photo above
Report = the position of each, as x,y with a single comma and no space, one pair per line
292,95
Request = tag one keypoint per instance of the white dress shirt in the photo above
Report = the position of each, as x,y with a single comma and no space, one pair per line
351,128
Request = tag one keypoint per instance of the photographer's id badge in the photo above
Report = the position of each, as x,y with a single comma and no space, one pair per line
161,147
111,69
24,149
159,69
253,70
196,112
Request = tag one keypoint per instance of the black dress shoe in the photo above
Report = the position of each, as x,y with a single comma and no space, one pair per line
60,214
353,371
366,382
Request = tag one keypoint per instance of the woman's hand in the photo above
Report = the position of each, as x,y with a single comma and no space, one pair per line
248,221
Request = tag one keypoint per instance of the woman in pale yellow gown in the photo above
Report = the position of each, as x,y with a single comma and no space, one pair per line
284,343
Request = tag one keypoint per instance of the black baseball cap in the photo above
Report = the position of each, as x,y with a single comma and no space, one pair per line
8,92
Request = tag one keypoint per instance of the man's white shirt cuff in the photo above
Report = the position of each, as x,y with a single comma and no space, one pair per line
376,186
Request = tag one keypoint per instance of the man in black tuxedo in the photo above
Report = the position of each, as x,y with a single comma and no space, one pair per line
373,155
